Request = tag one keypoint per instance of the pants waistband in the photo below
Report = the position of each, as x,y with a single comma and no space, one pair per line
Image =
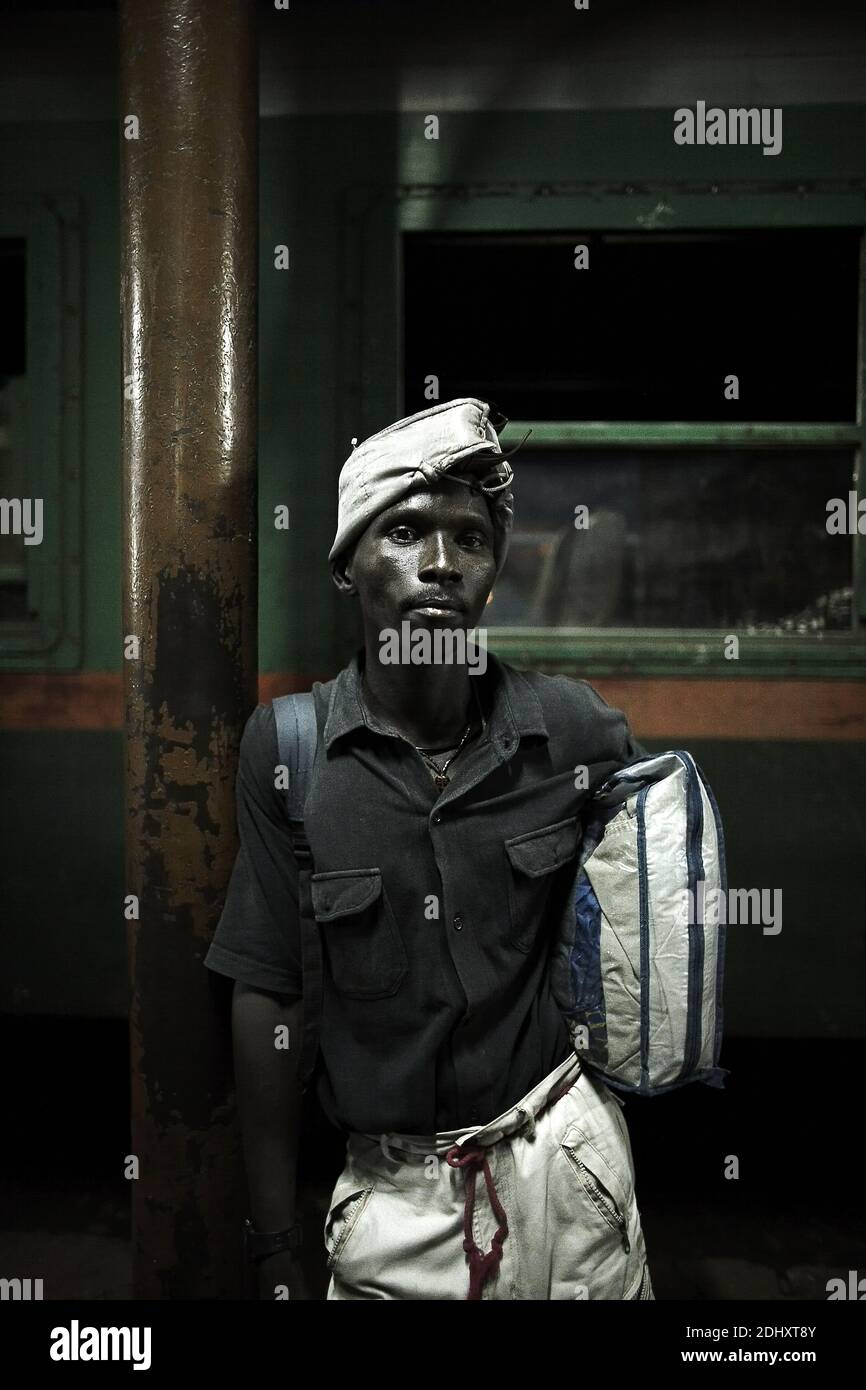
416,1147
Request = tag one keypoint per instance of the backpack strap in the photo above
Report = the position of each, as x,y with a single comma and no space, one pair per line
297,741
295,717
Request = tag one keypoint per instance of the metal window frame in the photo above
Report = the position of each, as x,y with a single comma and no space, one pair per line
51,229
377,219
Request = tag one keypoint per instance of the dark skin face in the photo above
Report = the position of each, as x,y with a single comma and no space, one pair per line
434,546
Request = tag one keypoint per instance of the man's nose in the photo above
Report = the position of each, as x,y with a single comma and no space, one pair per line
440,556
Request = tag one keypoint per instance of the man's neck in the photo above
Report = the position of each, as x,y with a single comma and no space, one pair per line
429,705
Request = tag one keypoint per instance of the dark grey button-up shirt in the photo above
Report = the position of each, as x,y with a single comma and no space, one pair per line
435,909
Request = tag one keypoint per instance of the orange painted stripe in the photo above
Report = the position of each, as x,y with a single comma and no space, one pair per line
688,707
55,700
658,708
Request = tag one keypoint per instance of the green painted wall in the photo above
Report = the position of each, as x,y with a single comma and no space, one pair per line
328,370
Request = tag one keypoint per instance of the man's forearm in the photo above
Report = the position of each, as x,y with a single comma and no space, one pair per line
269,1101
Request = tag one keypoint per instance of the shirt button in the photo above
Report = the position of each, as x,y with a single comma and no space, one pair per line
436,819
458,923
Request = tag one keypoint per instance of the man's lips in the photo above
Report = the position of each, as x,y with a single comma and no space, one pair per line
441,605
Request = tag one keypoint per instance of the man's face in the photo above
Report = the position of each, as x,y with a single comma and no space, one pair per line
428,559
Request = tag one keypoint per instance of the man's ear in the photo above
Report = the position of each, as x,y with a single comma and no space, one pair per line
341,573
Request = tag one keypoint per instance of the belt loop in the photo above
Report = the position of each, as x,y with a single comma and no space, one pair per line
528,1125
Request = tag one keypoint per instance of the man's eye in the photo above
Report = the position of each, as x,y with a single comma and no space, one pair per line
408,533
476,538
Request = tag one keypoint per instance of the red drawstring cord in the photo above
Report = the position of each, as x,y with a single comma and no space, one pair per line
482,1267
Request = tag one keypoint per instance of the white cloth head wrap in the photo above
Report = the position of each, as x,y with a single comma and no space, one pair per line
454,437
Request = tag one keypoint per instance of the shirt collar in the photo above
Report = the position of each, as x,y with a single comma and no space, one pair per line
516,709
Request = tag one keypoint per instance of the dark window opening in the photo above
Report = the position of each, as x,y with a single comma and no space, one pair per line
649,332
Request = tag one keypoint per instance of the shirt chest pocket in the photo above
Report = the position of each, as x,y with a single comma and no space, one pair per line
360,938
533,861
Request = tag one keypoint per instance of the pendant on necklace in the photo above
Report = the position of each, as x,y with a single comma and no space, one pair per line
440,781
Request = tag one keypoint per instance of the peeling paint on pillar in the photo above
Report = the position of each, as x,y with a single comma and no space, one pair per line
189,252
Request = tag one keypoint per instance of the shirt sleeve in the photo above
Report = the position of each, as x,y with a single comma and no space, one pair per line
623,747
583,729
616,742
257,940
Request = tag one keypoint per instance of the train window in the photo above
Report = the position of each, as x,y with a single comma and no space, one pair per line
693,402
716,539
649,328
40,431
13,432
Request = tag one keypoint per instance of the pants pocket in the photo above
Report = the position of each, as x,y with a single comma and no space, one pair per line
593,1117
598,1186
601,1248
599,1244
348,1204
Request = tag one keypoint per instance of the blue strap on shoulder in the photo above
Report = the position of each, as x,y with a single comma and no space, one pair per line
297,740
295,717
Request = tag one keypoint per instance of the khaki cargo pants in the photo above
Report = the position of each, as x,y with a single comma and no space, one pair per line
537,1204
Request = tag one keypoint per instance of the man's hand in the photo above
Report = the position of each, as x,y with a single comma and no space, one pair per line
269,1103
284,1268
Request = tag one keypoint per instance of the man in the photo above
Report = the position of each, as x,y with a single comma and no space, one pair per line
443,818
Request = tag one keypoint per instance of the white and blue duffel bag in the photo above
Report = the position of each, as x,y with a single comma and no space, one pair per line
638,961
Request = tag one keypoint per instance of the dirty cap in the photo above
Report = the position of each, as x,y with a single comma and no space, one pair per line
454,438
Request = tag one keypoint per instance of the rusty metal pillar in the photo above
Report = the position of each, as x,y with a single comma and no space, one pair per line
189,258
